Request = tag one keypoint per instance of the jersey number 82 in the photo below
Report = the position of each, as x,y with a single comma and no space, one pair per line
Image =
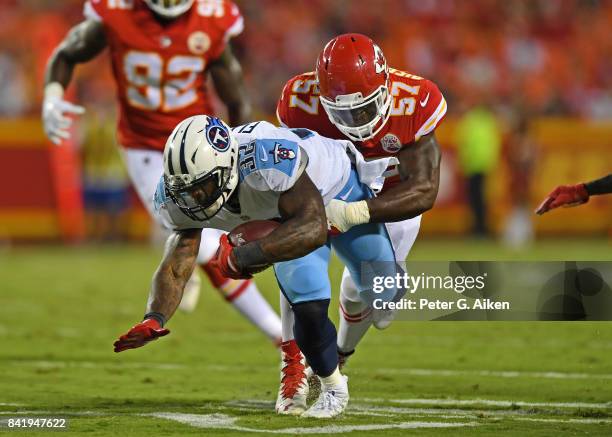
158,85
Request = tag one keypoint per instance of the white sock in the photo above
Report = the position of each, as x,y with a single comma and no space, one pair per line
350,332
251,304
287,319
355,316
333,379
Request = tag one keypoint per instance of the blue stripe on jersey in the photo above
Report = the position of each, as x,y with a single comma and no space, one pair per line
267,154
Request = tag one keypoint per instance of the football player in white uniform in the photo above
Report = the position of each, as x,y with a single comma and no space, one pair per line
214,177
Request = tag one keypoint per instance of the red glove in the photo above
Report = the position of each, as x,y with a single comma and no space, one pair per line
566,196
225,260
332,231
140,334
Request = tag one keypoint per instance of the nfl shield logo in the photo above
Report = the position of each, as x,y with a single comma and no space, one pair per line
391,143
198,43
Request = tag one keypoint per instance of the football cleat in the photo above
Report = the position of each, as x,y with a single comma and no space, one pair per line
332,401
293,390
381,319
314,385
191,293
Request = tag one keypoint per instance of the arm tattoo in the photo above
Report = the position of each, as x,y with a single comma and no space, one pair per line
304,226
174,272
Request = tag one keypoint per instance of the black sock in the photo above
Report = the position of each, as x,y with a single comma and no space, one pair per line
315,334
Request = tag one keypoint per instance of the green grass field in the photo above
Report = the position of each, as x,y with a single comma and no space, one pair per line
62,308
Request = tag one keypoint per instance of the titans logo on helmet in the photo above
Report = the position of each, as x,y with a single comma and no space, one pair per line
217,134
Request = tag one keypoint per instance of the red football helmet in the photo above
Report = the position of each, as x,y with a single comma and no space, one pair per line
354,83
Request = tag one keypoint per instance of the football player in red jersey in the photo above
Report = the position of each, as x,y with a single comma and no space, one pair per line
161,52
385,112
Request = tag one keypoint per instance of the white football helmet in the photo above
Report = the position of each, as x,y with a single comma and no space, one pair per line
201,166
169,8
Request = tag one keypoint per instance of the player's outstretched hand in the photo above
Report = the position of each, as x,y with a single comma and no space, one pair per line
56,120
140,334
225,260
564,195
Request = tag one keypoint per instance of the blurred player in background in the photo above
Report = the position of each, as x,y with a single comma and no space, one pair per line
479,141
574,195
521,156
162,52
386,113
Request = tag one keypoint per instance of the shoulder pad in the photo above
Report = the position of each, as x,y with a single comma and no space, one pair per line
269,164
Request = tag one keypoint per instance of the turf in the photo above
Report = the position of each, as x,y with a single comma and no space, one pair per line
61,308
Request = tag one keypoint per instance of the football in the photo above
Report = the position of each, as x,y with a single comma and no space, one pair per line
251,231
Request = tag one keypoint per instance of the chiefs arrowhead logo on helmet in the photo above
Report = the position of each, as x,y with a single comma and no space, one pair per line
380,63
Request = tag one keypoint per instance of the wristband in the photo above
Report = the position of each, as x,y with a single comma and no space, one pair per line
158,317
599,186
54,90
357,213
250,256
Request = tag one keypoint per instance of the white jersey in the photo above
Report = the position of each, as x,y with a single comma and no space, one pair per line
270,160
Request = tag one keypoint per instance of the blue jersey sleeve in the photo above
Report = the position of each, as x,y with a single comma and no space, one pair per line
270,164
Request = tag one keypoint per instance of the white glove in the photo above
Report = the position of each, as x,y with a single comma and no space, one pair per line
54,111
344,215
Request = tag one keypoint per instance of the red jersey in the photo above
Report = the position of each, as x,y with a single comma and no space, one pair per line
159,66
417,108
